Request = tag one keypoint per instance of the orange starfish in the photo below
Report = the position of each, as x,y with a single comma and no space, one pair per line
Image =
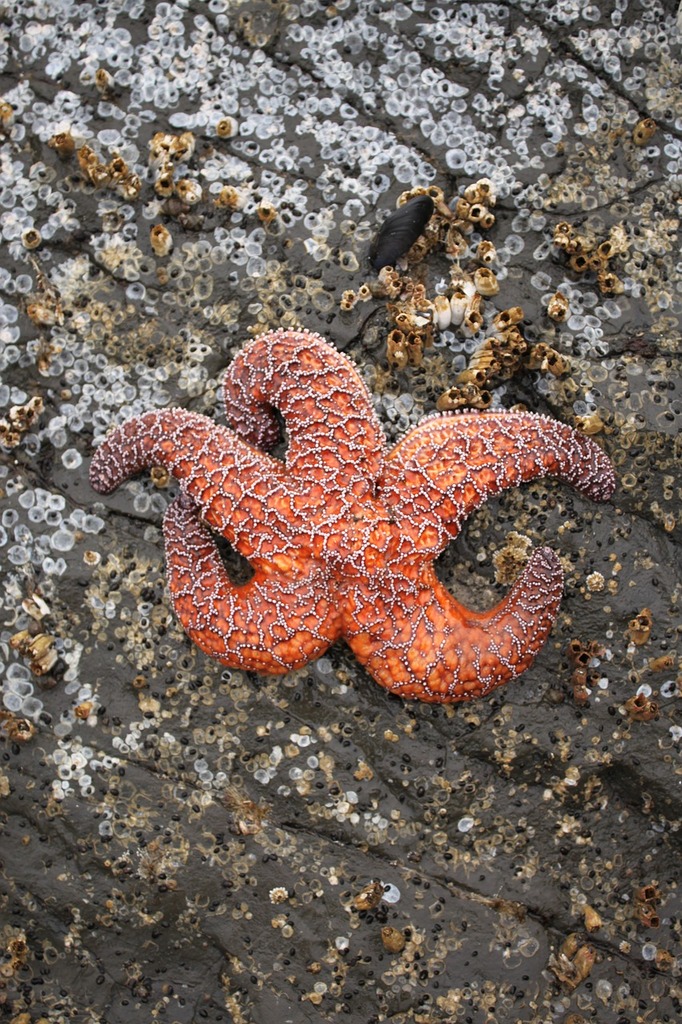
343,534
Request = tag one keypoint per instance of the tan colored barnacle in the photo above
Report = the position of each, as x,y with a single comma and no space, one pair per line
18,730
226,128
507,318
160,240
393,939
31,238
370,896
590,424
104,83
558,307
6,115
396,349
592,918
164,185
644,131
39,650
63,144
639,628
188,191
266,212
19,421
544,357
486,252
609,283
229,198
485,281
181,148
641,708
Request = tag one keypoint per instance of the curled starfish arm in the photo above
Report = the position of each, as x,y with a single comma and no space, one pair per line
330,420
233,483
274,623
422,644
447,466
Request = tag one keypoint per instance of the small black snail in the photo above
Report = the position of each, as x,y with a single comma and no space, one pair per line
399,231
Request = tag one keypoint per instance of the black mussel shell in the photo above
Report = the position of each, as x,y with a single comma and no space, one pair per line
400,231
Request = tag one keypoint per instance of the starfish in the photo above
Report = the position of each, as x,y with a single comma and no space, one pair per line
342,535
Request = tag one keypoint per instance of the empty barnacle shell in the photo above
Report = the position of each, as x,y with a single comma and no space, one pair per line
400,231
639,628
641,708
648,916
31,238
63,144
486,252
442,314
396,349
644,131
393,939
188,190
558,307
160,239
485,281
507,318
19,730
649,893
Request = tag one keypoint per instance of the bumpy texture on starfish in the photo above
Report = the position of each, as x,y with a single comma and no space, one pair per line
343,534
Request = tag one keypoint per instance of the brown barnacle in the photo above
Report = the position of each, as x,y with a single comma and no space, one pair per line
160,476
441,312
164,184
43,313
393,939
573,963
644,131
485,281
481,191
188,191
266,211
486,252
226,128
117,168
229,198
473,318
129,186
580,262
348,300
592,918
649,893
662,663
416,343
639,628
609,283
92,168
160,240
369,897
390,282
507,318
396,349
563,233
6,115
19,421
39,650
364,293
83,710
647,916
464,396
18,730
104,83
641,708
31,238
544,357
558,307
182,147
592,423
63,144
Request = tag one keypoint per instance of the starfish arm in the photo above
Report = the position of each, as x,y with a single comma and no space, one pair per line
234,484
448,465
333,431
274,623
418,641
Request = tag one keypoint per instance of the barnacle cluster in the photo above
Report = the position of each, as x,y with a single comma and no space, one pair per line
588,254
